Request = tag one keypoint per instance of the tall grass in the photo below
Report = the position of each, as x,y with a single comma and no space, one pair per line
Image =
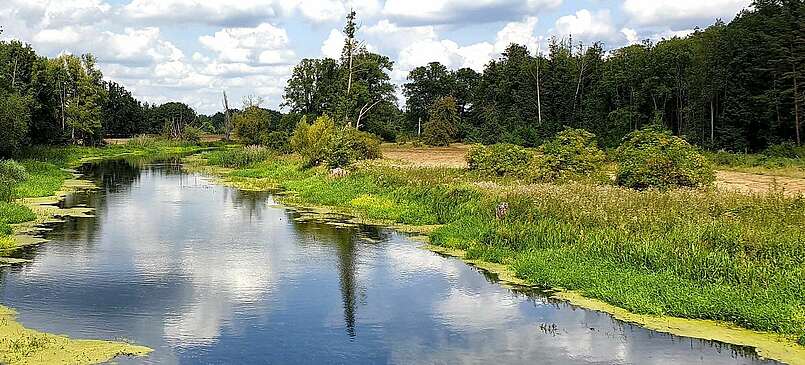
688,253
239,157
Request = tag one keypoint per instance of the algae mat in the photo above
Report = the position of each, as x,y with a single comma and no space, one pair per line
20,345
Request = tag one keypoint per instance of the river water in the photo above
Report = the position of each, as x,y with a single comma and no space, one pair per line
206,274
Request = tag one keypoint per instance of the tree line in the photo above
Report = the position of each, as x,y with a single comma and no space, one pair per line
733,86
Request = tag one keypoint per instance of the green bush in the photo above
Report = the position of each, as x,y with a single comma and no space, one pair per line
192,134
501,159
278,141
250,124
349,145
442,125
239,157
312,141
11,173
572,153
785,150
652,158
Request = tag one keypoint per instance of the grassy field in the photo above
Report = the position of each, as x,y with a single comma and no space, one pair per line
705,254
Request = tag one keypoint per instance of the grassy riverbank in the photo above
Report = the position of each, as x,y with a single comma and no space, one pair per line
703,254
47,169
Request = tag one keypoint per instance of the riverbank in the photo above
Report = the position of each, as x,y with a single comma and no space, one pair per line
50,178
729,258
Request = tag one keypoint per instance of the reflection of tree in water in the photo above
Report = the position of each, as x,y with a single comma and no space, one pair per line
253,201
346,241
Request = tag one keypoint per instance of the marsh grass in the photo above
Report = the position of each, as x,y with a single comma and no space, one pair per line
690,253
239,157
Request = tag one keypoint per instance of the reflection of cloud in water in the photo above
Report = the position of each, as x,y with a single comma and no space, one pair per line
477,311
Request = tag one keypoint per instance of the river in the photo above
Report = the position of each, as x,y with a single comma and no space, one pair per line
206,274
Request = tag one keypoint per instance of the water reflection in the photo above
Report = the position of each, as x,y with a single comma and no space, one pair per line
207,274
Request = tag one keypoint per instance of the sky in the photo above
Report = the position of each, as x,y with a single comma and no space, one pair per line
192,50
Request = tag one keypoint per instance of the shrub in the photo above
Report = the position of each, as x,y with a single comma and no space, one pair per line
251,124
349,145
785,150
311,142
501,159
239,157
652,158
11,173
571,153
192,134
277,141
441,127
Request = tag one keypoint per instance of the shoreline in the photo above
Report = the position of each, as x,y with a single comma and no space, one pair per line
767,345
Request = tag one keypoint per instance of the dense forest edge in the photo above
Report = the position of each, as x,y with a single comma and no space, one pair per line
582,168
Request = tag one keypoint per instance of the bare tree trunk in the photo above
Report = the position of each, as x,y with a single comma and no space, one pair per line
712,122
14,74
364,110
227,119
539,103
796,105
419,127
578,86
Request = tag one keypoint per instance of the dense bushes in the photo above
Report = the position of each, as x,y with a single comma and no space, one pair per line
572,153
278,141
501,159
785,150
350,145
15,117
651,158
442,125
11,173
338,147
250,124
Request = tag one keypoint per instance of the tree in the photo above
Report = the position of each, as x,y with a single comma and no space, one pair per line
440,129
14,119
425,85
122,114
313,87
170,119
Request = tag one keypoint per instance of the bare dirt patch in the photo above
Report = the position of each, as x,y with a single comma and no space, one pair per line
756,183
451,156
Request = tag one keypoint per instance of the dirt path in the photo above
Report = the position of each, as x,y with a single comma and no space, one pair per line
755,183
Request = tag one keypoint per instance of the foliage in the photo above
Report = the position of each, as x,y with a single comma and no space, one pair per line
785,150
239,157
572,153
14,120
349,145
651,158
501,159
11,173
278,141
170,119
251,124
311,141
192,134
440,129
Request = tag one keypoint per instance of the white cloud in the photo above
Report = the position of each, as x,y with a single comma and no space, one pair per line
631,35
264,44
518,32
587,25
681,12
333,45
462,11
241,12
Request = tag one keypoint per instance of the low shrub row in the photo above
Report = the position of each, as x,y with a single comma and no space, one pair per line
323,142
648,158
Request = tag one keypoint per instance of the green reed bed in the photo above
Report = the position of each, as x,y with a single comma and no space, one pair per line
690,253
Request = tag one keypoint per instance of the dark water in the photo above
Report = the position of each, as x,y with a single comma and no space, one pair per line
205,274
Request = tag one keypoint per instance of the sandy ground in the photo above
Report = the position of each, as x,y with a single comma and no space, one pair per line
453,156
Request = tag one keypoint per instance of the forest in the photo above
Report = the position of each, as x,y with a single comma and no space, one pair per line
733,87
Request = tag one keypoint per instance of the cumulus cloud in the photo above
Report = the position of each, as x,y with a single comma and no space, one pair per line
264,44
587,25
518,32
241,12
681,12
464,11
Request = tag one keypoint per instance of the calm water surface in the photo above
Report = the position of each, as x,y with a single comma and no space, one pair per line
206,274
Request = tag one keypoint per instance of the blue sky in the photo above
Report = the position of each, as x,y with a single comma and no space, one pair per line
191,50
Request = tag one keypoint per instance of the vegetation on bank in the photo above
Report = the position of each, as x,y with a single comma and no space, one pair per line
20,345
42,171
692,253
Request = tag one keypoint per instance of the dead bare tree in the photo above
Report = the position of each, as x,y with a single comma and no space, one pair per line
227,119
